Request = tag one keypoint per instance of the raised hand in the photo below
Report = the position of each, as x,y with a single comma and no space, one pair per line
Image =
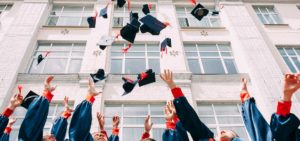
47,84
169,114
147,124
171,107
244,92
91,88
167,76
101,122
66,103
291,85
11,121
15,101
116,121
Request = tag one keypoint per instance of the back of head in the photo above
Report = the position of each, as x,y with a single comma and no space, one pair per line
149,139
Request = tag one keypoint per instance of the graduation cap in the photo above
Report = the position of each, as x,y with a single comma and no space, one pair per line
128,85
129,31
91,21
146,8
133,16
100,75
103,12
214,13
105,41
199,12
41,58
29,99
146,77
121,3
166,42
152,25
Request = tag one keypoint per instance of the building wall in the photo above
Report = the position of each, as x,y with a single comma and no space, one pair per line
253,44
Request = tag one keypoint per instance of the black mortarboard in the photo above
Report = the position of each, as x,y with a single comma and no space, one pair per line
146,77
100,75
121,3
103,13
128,85
214,13
91,21
133,16
151,25
166,42
146,9
41,58
199,12
105,41
129,31
28,99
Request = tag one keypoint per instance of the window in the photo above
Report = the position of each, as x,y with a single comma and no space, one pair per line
139,58
63,58
132,119
66,15
121,15
267,14
220,117
186,19
210,58
5,7
55,109
291,56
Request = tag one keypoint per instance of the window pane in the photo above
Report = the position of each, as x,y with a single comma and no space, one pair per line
191,54
116,66
290,51
112,110
135,110
154,64
290,65
160,120
157,109
153,54
190,47
133,121
134,66
194,65
208,120
296,62
207,47
55,66
230,65
35,68
132,134
230,120
118,22
281,51
213,66
223,109
138,47
52,21
153,47
70,21
205,109
75,66
211,54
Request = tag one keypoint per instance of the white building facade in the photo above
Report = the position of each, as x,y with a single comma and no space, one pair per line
255,39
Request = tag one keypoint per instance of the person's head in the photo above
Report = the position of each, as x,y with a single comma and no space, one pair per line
148,139
49,138
227,135
98,136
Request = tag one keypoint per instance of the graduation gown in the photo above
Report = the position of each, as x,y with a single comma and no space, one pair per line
285,125
256,125
60,125
81,121
5,135
33,124
189,118
114,136
175,132
4,131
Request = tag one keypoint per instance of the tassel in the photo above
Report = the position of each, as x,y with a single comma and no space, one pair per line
193,2
125,50
167,24
129,5
47,53
150,6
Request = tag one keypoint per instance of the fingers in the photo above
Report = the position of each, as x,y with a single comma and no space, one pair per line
244,80
91,83
49,79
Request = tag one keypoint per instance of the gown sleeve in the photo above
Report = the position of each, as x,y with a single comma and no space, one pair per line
4,120
5,136
60,125
115,135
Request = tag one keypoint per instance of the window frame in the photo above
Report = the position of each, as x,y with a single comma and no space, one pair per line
289,57
187,16
220,56
6,9
69,57
123,125
125,57
269,13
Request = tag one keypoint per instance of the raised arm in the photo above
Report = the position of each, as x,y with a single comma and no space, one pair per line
147,126
187,115
284,125
60,124
82,118
256,125
36,115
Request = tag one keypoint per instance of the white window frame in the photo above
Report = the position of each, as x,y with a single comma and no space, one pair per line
7,7
83,15
69,57
188,16
56,104
141,125
124,56
123,14
218,126
289,57
272,13
222,58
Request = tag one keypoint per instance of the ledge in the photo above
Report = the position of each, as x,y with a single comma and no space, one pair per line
276,25
60,27
204,28
220,77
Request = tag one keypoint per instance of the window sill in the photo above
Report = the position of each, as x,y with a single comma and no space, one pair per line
219,77
199,28
276,25
79,27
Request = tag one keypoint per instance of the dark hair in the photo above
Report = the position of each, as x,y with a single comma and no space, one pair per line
149,139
